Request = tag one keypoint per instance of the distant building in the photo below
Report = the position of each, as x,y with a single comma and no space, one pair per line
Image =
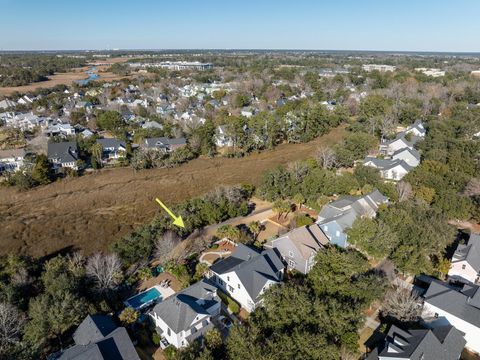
175,65
221,137
475,73
378,67
442,343
431,72
338,216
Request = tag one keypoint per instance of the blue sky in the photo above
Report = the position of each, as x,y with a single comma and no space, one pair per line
416,25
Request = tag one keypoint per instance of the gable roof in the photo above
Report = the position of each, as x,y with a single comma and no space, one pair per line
307,239
412,151
180,310
345,210
111,143
114,345
387,164
163,142
64,151
469,253
254,269
93,328
442,343
463,303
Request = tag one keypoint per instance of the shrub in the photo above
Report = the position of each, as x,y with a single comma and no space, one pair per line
156,339
232,305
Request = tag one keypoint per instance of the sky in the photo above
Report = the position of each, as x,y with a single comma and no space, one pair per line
386,25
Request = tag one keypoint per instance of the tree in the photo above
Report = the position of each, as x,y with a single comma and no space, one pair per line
53,315
230,232
299,199
281,208
213,339
97,153
164,246
255,227
41,173
106,270
128,316
11,325
326,157
110,120
401,304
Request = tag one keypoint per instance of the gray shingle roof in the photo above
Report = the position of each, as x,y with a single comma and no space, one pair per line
345,210
93,328
111,143
66,151
181,309
442,343
163,142
470,252
115,345
463,303
254,269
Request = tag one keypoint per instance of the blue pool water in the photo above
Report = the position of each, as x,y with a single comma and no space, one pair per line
144,298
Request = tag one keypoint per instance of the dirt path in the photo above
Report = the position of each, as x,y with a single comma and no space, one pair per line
92,211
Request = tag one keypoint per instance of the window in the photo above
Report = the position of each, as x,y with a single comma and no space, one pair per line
464,266
291,263
194,330
436,315
230,288
290,253
228,278
169,332
239,286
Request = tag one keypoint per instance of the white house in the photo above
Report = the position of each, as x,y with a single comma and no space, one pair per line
188,314
246,274
389,169
409,155
113,149
63,154
11,160
459,307
416,129
465,264
388,147
221,137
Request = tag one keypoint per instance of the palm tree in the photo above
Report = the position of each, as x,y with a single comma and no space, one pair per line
255,227
299,199
97,152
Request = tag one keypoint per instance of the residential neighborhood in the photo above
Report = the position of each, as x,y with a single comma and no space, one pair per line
223,188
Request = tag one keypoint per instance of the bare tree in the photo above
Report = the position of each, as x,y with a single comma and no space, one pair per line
106,270
402,304
473,187
387,125
326,157
165,245
404,190
11,324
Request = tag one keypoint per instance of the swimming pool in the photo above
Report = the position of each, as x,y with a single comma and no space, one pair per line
145,298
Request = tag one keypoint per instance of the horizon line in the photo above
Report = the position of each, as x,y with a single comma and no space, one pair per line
241,49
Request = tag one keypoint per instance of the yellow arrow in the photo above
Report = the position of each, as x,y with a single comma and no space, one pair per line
177,220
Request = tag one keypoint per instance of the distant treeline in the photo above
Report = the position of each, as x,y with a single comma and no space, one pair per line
18,70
